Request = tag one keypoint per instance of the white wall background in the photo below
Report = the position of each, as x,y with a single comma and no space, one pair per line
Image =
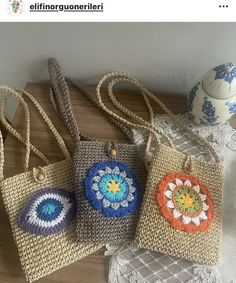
164,56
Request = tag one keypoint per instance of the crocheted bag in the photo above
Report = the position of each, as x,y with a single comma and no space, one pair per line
41,204
181,214
109,178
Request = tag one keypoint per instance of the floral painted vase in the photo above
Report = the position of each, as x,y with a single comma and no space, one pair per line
212,100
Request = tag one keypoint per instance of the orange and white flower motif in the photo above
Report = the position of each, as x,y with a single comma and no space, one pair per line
185,202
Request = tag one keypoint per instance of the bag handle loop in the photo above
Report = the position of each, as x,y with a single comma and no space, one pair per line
1,156
10,92
62,103
49,123
118,77
26,140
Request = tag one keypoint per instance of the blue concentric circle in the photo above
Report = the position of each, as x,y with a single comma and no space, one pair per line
48,211
112,188
106,183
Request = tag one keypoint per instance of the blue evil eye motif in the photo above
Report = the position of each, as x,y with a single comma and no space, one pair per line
112,189
49,211
227,72
231,106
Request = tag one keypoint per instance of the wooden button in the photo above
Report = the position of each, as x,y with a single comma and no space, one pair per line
41,177
113,152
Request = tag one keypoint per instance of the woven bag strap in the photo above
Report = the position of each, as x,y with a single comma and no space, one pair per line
118,77
16,134
60,97
127,132
49,123
26,140
10,92
1,156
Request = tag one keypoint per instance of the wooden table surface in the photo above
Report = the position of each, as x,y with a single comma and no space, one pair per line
93,268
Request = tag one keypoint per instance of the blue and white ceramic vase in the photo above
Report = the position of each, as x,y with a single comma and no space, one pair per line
212,100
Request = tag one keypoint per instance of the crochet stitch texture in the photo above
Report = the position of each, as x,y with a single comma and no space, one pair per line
112,188
93,226
48,211
185,202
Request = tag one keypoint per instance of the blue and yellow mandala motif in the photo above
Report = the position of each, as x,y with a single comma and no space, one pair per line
112,189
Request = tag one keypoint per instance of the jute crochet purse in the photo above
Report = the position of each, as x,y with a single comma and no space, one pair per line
181,214
109,178
41,204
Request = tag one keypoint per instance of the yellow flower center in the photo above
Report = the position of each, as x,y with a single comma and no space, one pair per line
187,200
113,187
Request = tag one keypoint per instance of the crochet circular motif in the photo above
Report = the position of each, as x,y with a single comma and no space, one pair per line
112,189
185,202
49,211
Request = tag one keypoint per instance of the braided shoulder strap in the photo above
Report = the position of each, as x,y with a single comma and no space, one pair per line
26,140
60,97
1,156
118,77
49,123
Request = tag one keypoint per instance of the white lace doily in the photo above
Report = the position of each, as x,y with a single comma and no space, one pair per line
130,264
219,136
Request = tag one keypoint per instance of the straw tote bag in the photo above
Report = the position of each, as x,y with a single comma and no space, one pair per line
181,214
109,178
41,204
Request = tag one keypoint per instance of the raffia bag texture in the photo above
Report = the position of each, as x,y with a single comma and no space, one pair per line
198,185
155,233
97,221
40,255
92,225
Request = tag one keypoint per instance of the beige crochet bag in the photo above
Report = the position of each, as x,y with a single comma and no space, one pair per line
110,177
41,204
181,214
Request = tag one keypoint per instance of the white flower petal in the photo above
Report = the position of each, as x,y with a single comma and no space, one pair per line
108,170
130,197
186,219
97,178
168,193
170,204
113,170
171,186
99,195
132,189
203,197
95,187
176,213
205,206
115,205
202,215
188,183
123,174
129,181
196,188
124,203
178,182
106,203
117,170
196,220
101,173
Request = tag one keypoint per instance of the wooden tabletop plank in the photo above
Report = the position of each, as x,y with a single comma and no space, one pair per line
93,268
